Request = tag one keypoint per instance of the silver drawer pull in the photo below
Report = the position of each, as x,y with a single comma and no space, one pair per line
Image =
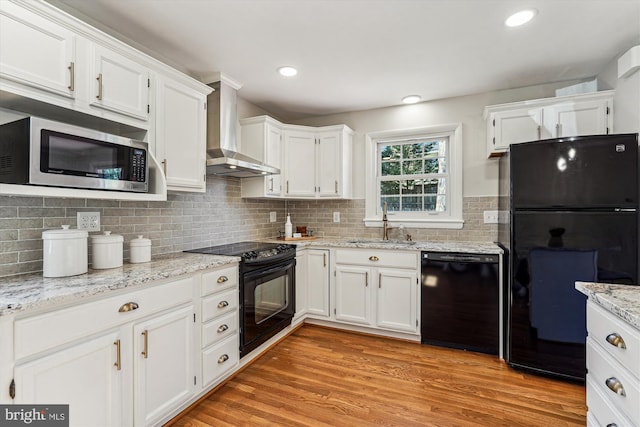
222,279
615,386
373,258
612,425
223,358
223,304
129,306
222,328
616,340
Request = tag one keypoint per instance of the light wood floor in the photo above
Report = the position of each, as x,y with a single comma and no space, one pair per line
324,377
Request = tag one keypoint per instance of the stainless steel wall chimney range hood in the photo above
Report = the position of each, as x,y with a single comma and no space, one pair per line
223,157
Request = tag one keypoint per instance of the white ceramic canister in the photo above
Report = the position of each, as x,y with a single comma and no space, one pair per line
106,251
64,252
140,250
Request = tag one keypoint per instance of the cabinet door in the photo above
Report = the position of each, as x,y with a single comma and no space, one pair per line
397,300
181,138
302,283
329,164
300,169
273,157
120,84
84,376
514,126
318,282
577,118
353,295
35,51
163,364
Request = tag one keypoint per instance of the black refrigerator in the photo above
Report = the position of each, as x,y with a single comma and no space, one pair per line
572,217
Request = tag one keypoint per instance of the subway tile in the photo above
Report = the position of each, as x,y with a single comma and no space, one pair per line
31,212
21,201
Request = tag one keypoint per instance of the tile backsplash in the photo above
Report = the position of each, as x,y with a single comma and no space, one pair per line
191,220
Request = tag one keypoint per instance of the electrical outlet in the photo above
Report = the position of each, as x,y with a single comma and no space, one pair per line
490,217
336,217
89,221
272,217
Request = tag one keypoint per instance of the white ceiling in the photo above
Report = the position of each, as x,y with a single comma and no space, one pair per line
363,54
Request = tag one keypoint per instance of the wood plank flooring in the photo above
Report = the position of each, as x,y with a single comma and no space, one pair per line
325,377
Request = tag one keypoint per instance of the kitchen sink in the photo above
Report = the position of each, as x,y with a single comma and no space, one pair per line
383,242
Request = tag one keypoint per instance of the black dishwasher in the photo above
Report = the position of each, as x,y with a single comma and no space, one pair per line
460,301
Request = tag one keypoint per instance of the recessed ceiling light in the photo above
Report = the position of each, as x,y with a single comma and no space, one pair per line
287,71
411,99
520,18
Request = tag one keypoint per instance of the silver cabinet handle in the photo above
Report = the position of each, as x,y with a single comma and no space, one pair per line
99,79
222,279
222,328
336,186
373,258
558,130
223,304
72,76
164,166
145,350
539,132
366,279
379,280
612,425
129,306
615,386
271,184
287,186
616,340
325,260
223,358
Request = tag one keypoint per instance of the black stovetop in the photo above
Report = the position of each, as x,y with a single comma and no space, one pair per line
250,251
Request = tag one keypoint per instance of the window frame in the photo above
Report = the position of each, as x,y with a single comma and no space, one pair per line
452,218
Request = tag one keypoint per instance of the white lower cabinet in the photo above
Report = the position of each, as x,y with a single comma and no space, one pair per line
83,376
613,366
220,334
123,360
377,288
317,273
164,365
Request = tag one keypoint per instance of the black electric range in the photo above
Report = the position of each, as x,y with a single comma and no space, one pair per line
267,288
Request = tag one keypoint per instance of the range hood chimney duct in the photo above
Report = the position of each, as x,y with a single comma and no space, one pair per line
223,157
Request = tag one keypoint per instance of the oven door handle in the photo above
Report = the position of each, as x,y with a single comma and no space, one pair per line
278,267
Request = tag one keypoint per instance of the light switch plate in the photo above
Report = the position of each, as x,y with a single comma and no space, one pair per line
336,217
272,217
89,221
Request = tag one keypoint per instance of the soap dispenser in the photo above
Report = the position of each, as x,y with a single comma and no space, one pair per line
288,227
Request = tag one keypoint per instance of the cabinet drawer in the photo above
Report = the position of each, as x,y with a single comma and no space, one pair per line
219,328
377,258
603,368
45,331
220,303
601,408
602,325
218,280
220,359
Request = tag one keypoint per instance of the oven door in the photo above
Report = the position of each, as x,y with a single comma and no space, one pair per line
268,303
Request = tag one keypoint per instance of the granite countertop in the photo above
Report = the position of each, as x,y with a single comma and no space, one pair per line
621,300
30,291
464,247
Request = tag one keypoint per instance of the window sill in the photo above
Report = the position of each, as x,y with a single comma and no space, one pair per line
455,224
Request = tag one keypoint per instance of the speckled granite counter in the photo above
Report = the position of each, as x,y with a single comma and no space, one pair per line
20,293
464,247
623,301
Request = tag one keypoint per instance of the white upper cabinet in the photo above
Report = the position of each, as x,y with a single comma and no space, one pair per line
261,139
586,114
45,56
181,140
119,84
299,163
314,162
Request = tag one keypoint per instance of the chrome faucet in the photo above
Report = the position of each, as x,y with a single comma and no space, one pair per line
385,223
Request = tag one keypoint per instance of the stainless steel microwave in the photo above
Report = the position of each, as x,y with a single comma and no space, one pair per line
37,151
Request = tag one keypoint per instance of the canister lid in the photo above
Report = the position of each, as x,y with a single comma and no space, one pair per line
107,237
140,242
64,233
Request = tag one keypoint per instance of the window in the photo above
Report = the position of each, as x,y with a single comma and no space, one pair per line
418,174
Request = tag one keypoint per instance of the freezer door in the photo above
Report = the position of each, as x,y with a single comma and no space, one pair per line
582,172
